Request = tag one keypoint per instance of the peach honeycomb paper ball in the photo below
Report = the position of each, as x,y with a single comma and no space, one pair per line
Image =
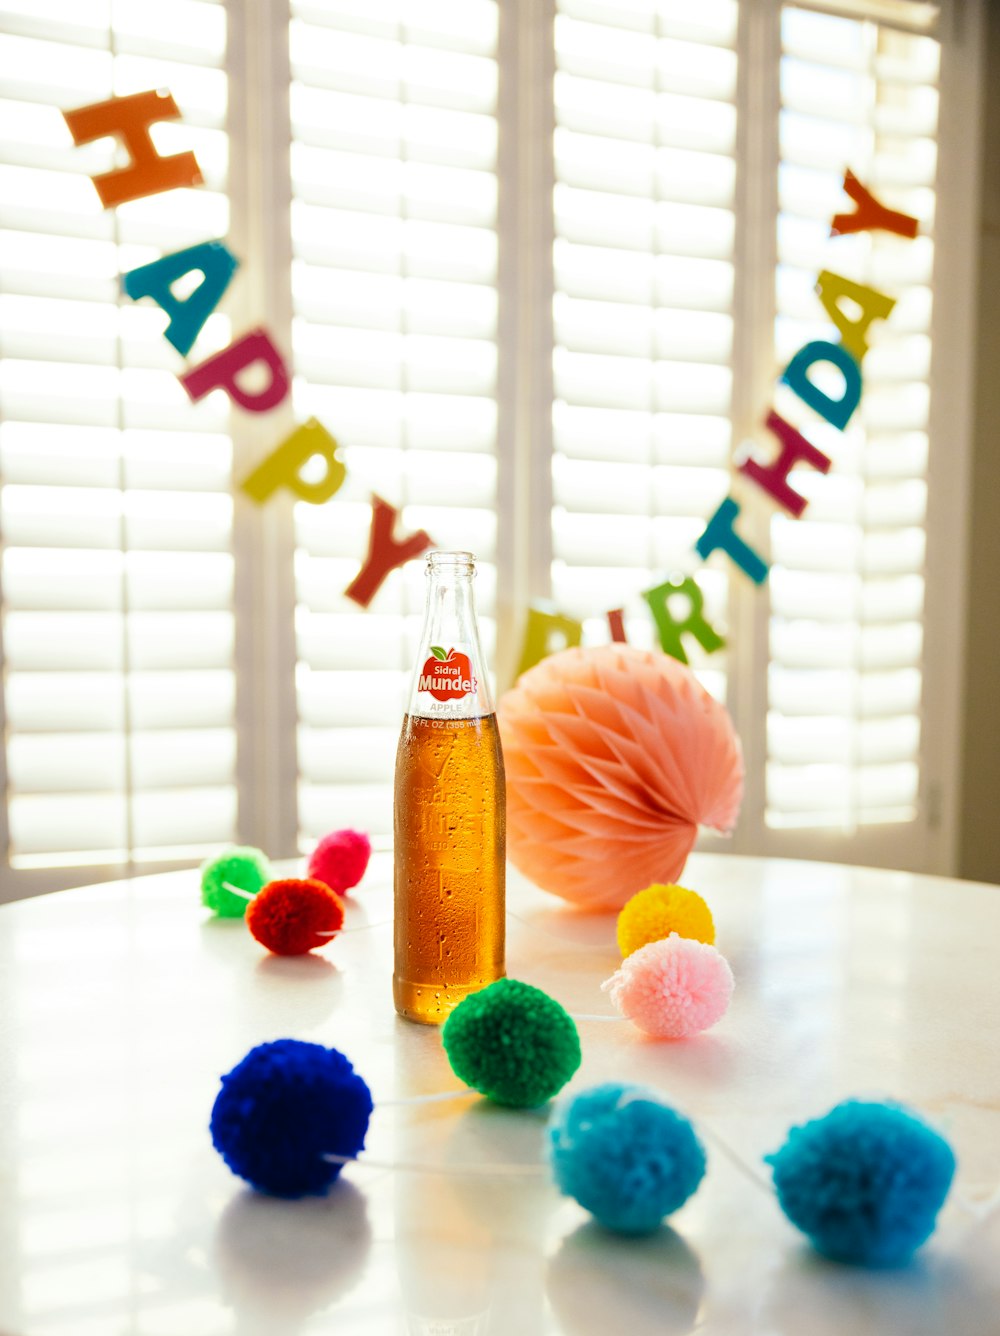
614,757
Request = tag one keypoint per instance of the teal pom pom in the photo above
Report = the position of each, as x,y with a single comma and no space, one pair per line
512,1043
865,1182
244,867
625,1156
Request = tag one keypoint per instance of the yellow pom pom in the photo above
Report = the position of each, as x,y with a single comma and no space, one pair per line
658,911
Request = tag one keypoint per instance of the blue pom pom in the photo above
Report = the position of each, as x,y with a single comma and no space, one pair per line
624,1156
865,1182
282,1108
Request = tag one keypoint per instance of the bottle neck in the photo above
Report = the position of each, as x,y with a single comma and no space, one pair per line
450,679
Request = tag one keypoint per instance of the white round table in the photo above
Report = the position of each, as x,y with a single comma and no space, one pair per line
121,1005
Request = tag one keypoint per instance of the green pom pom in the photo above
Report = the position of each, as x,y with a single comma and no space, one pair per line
244,867
512,1043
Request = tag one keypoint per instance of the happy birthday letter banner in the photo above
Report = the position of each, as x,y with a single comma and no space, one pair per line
150,173
852,307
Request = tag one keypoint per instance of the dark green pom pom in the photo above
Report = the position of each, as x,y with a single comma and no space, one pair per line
244,867
512,1043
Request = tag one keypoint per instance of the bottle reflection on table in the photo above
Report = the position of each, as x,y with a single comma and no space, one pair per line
470,1249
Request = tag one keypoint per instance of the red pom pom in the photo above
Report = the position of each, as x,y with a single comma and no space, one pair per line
294,916
340,859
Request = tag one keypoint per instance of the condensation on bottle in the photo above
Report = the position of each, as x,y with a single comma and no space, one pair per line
449,810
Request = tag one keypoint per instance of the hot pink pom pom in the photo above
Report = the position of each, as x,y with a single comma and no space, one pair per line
673,988
340,859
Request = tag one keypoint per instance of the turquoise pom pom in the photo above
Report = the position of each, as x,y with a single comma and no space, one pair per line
865,1182
625,1156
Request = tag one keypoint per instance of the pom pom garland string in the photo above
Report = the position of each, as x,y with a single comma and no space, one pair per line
327,932
864,1183
238,890
554,936
673,988
330,932
361,927
506,1170
537,1167
232,880
672,983
980,1208
289,916
280,1107
248,896
749,1172
439,1097
978,1211
358,927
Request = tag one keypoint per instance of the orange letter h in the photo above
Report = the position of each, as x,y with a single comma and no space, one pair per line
130,117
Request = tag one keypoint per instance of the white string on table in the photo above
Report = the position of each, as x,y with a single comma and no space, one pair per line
537,1169
441,1097
980,1211
519,1170
238,890
557,936
333,932
735,1158
361,927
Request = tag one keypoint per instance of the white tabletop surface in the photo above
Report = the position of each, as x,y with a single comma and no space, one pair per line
121,1005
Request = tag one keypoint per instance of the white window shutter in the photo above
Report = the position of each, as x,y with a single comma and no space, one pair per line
847,585
394,266
116,513
645,166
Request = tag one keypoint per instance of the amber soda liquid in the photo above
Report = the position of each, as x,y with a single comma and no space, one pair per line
449,811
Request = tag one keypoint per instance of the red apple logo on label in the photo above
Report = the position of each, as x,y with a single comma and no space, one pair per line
447,675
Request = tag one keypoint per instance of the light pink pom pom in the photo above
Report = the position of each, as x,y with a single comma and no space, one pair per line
672,988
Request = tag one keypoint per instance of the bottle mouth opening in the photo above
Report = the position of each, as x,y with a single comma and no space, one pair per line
450,561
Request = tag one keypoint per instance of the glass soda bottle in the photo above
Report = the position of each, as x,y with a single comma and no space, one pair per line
449,811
